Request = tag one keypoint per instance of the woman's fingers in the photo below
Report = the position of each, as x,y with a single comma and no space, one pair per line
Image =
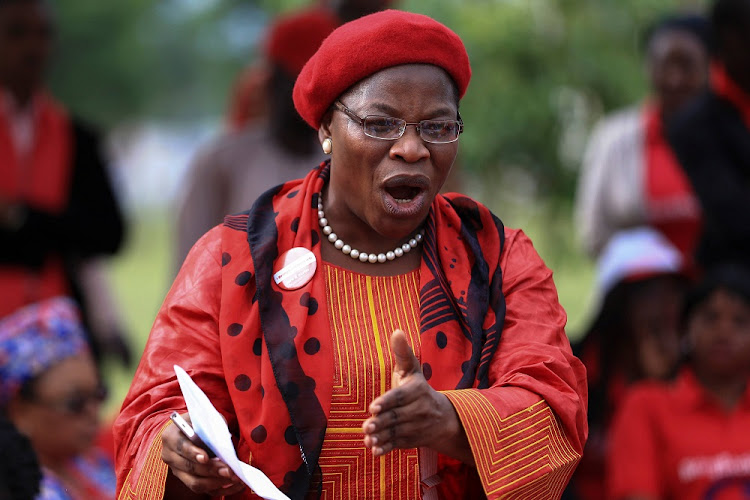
191,465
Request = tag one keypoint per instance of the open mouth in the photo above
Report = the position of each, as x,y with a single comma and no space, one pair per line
406,195
403,194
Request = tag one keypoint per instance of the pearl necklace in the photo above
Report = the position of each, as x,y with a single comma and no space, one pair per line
362,256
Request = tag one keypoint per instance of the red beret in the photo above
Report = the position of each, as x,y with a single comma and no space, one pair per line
369,44
295,37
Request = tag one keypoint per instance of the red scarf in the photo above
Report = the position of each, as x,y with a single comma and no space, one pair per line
671,205
460,296
723,85
42,181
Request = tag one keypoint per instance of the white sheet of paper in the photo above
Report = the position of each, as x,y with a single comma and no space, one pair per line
212,429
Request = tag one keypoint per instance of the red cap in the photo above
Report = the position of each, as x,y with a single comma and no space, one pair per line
295,37
369,44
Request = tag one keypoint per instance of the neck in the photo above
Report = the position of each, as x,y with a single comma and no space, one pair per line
727,390
22,96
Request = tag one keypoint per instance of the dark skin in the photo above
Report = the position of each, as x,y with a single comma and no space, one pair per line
718,332
363,211
26,36
192,474
677,68
719,338
361,205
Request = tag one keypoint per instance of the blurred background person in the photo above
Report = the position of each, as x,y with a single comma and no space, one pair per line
51,391
20,475
57,207
688,439
630,176
249,97
633,337
712,140
230,173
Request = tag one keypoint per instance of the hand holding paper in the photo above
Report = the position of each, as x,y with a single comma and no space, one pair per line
212,429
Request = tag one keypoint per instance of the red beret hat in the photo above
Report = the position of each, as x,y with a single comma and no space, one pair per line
295,37
369,44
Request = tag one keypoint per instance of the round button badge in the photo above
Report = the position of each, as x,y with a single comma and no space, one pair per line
295,268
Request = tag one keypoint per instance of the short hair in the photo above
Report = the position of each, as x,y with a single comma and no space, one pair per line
732,277
693,24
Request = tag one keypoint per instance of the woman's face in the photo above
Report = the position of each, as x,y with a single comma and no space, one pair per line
380,191
719,336
61,417
678,68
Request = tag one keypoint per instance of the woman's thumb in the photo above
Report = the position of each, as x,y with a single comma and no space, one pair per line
405,362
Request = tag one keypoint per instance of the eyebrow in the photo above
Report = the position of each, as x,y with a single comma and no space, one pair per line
385,108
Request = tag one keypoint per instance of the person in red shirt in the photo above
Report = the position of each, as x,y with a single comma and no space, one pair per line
689,439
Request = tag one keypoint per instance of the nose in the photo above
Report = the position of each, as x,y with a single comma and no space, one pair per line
410,147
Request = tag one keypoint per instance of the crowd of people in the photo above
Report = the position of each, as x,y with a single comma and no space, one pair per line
362,332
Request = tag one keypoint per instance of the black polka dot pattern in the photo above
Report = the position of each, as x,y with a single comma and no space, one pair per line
225,259
464,366
427,371
309,302
312,346
242,382
290,436
314,237
243,278
259,434
258,347
292,194
441,339
234,329
295,224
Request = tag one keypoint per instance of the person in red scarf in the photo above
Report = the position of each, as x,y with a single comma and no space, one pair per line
630,176
57,208
361,334
712,140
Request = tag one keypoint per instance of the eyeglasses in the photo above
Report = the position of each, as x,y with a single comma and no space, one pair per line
390,129
76,403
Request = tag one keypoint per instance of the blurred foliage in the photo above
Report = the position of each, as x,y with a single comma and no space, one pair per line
544,70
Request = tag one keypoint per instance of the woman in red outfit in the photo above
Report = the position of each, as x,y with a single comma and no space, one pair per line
689,439
361,334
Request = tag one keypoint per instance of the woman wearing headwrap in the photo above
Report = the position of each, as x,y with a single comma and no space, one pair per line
362,335
51,391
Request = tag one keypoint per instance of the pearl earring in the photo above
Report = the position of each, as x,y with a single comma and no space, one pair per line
327,145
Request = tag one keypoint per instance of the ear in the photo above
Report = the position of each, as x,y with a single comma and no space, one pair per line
324,131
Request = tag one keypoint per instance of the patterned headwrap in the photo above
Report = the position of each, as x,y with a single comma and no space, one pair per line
35,338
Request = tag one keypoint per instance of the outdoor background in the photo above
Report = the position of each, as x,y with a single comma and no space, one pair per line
154,76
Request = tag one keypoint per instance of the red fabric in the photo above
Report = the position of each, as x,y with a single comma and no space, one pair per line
294,38
247,102
275,392
675,441
672,206
41,181
369,44
724,86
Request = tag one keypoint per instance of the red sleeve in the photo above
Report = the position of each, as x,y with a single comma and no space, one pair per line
528,430
185,333
633,460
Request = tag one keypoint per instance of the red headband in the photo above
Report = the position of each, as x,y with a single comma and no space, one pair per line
369,44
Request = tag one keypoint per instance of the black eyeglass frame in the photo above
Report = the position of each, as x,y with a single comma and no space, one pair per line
340,106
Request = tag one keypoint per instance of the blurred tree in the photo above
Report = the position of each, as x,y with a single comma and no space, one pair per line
544,70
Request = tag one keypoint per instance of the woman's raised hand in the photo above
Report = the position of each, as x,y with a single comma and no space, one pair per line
196,472
412,414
